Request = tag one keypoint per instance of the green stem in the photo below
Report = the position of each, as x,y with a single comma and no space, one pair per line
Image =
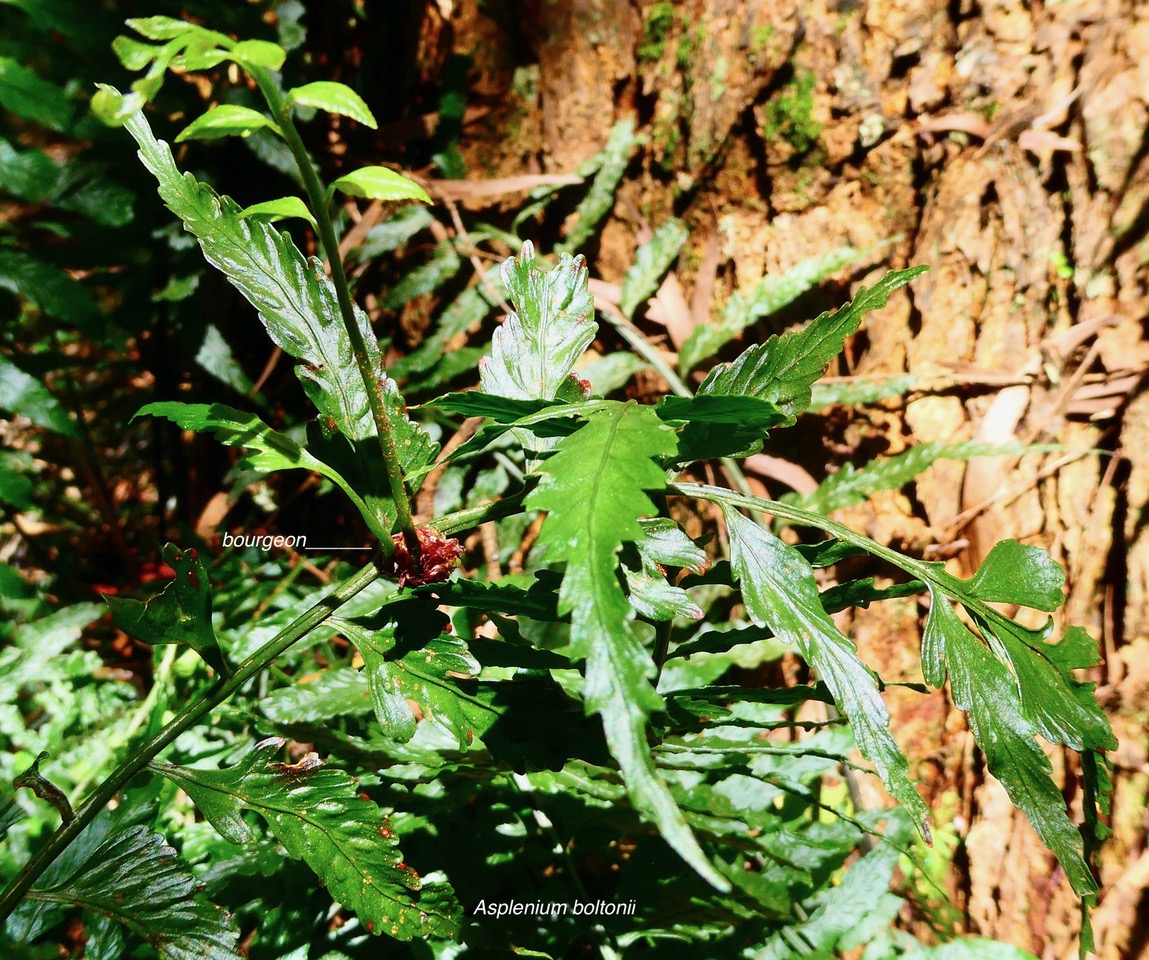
184,720
194,712
373,378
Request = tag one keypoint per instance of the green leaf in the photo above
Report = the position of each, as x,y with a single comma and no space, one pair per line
335,693
319,816
181,614
380,183
298,306
651,261
215,354
334,98
400,672
26,94
1017,573
258,53
135,878
970,948
718,426
168,28
770,295
611,165
987,692
593,489
51,288
284,207
536,348
227,120
783,369
30,175
779,591
24,395
860,392
849,487
270,449
15,485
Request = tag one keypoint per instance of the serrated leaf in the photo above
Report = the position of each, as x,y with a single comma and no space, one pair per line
299,308
849,487
1013,572
269,449
536,348
135,878
443,264
380,183
779,592
26,94
720,426
663,541
405,666
334,98
610,165
651,261
52,289
783,369
986,691
281,209
227,120
594,491
181,614
334,693
771,294
318,815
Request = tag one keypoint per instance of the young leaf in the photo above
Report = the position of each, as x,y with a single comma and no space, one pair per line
298,306
270,449
783,369
986,691
611,165
380,183
258,53
770,295
719,426
181,614
593,489
227,120
135,878
779,591
281,209
23,394
318,815
651,261
849,487
334,98
537,347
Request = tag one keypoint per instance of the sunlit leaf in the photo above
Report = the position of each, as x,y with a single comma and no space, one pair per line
380,183
594,491
227,120
334,98
779,591
319,816
783,369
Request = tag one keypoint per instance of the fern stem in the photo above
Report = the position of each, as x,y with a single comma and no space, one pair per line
373,378
184,720
194,712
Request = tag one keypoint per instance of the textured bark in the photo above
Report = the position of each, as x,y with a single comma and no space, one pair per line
1005,145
